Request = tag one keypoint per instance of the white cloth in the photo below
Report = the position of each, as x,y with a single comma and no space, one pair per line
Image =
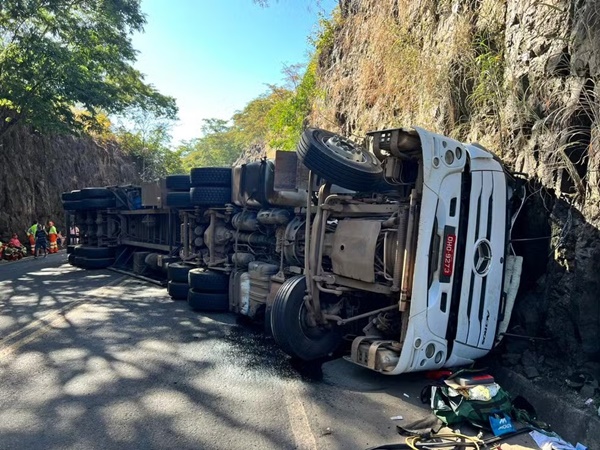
553,441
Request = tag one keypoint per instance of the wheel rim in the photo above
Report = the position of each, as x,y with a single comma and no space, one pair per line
344,148
312,332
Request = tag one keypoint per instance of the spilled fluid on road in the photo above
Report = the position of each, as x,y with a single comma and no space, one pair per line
260,352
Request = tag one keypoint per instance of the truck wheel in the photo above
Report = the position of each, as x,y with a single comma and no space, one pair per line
94,203
211,176
72,249
72,205
203,280
70,196
93,192
206,301
94,252
178,182
93,263
178,199
178,291
339,160
210,196
178,272
290,326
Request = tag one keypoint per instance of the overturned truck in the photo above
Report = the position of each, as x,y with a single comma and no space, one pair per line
399,248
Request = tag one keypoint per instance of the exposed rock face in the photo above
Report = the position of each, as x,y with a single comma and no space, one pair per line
35,170
521,78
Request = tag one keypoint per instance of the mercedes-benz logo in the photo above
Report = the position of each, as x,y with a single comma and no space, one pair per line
483,257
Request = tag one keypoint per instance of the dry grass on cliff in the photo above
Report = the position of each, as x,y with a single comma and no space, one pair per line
418,65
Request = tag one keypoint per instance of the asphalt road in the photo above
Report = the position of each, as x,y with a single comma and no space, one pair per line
95,360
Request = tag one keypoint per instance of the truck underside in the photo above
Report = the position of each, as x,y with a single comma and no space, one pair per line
399,249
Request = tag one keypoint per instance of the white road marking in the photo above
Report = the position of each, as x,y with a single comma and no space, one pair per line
303,435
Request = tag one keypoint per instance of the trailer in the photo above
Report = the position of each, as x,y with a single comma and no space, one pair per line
399,248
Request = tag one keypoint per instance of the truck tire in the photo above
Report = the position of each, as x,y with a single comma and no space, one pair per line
71,259
179,199
96,203
72,205
203,280
71,249
93,263
70,196
211,176
178,291
210,196
95,192
290,330
94,252
339,160
179,182
178,272
207,301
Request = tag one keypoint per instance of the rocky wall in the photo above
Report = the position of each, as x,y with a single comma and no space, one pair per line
36,169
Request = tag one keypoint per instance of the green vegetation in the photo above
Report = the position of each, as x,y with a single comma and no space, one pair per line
217,146
60,54
489,72
146,139
274,120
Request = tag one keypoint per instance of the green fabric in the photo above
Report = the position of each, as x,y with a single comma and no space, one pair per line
32,229
52,230
452,408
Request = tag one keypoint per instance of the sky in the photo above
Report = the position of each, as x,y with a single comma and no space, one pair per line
216,56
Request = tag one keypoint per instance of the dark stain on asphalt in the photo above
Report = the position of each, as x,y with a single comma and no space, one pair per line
260,352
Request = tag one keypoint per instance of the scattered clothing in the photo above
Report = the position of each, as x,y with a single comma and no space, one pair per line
552,441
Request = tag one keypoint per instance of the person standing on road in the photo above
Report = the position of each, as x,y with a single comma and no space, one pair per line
52,237
31,236
41,240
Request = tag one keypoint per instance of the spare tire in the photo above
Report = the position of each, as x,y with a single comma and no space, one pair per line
211,176
339,160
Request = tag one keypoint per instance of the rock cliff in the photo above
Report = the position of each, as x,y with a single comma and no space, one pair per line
36,169
518,76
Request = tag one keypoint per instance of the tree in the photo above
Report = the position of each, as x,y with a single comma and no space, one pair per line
146,138
60,54
218,146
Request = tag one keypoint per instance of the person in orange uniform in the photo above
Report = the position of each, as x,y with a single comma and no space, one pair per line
31,236
52,237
